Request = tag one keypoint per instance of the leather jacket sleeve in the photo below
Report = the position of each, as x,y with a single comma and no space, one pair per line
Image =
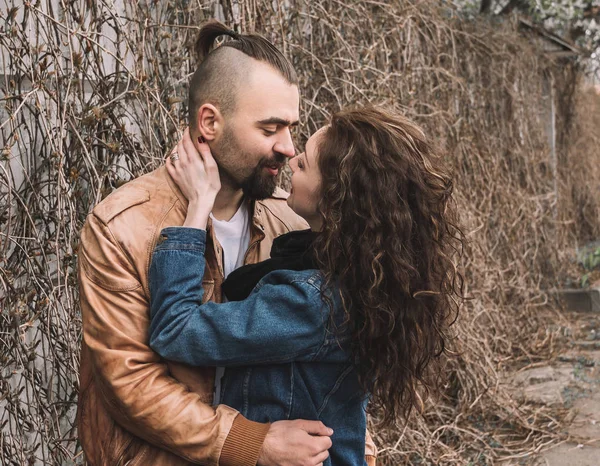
370,450
134,381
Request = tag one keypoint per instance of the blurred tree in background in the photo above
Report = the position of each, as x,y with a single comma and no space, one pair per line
577,21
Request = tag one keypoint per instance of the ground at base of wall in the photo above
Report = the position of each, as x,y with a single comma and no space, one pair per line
571,381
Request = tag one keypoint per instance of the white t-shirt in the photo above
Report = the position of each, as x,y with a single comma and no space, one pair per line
234,238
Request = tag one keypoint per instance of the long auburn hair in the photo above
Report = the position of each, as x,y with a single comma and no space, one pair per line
388,238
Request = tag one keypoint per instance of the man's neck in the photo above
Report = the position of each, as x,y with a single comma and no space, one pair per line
227,202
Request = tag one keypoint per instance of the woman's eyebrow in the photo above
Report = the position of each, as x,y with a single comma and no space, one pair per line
306,158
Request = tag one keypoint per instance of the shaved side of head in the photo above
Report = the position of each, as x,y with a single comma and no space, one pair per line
223,70
218,79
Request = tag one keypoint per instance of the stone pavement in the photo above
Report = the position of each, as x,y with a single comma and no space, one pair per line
573,382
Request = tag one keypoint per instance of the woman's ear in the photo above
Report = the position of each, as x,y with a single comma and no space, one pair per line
210,122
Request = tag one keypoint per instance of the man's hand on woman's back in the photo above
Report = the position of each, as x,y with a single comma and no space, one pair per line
296,443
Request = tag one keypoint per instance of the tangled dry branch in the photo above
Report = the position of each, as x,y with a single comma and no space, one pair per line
94,94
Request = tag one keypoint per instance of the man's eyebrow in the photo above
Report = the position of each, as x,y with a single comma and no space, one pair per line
278,121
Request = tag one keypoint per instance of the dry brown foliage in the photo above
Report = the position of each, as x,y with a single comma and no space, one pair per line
93,95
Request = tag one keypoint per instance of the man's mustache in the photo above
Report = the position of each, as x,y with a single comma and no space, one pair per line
275,162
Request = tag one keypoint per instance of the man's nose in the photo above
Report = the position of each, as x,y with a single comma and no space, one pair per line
285,144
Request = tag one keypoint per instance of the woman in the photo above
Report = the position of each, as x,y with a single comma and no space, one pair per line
353,310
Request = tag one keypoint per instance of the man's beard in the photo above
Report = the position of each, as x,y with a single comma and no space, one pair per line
259,184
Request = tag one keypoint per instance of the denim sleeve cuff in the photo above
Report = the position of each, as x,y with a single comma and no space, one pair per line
182,238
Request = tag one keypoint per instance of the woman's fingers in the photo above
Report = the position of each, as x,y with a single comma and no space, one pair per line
181,146
194,170
203,152
188,146
186,151
209,164
171,167
206,154
183,153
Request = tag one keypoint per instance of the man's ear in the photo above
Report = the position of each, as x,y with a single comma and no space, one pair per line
210,121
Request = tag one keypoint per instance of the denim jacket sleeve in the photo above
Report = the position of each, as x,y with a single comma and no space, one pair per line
279,322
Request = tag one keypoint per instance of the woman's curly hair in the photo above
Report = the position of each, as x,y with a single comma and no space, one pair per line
389,234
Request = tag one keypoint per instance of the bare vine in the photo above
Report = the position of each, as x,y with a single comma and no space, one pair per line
93,94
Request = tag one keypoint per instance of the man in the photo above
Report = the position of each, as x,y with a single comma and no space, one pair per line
135,408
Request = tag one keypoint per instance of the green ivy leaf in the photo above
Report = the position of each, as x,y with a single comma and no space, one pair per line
585,279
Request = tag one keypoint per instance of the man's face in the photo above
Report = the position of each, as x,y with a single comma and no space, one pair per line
256,140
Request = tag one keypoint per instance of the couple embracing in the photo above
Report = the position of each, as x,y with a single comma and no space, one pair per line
226,322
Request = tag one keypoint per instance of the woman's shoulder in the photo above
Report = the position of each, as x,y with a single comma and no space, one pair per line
302,288
309,278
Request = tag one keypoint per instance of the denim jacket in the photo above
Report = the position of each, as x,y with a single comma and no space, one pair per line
282,356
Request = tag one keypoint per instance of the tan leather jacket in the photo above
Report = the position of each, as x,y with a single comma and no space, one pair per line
135,408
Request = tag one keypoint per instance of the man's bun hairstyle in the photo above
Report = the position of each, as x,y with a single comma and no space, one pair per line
208,34
221,73
253,45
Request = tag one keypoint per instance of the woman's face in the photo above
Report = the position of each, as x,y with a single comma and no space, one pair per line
306,183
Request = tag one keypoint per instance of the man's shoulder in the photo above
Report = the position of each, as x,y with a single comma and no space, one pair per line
151,190
121,230
276,209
